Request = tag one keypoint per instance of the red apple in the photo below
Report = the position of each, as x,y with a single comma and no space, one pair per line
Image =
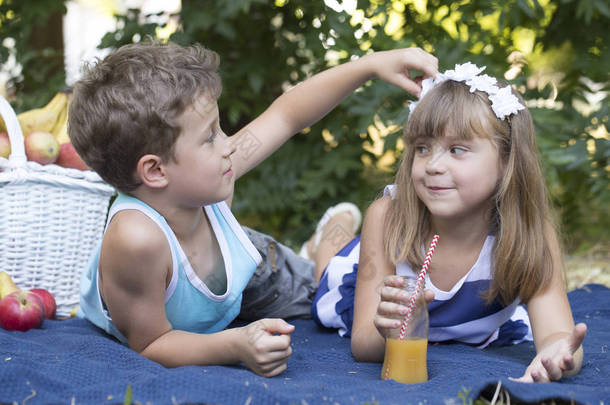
41,147
50,306
5,145
21,310
69,158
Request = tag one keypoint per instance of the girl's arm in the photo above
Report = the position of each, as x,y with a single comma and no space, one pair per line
558,341
367,342
312,99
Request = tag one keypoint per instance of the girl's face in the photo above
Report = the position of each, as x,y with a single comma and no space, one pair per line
201,173
456,178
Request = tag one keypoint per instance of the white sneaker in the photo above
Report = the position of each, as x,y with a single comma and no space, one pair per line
331,212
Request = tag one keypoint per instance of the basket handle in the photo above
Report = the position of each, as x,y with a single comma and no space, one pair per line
15,134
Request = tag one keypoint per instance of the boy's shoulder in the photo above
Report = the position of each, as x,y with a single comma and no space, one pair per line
132,235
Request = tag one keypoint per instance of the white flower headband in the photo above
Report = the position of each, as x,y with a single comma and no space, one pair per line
503,101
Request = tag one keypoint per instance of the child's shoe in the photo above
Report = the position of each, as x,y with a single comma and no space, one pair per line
330,212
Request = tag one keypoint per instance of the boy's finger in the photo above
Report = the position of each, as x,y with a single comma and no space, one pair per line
426,62
276,356
275,371
275,325
277,343
408,85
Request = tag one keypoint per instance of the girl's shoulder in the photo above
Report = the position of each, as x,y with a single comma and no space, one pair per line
379,207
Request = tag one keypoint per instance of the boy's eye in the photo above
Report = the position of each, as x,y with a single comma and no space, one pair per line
212,135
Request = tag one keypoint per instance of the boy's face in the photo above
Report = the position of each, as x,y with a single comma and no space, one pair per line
201,172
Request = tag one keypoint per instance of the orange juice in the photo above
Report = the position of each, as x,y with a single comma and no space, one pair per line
405,360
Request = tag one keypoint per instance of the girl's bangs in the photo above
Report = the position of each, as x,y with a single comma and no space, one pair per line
450,106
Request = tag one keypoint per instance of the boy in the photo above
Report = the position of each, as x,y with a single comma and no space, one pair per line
169,274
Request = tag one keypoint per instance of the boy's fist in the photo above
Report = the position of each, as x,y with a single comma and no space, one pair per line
266,346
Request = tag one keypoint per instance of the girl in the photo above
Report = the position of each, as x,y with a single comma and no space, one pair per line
471,174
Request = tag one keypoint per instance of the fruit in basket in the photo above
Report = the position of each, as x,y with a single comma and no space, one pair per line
5,145
69,158
7,285
60,130
21,310
48,301
41,147
45,118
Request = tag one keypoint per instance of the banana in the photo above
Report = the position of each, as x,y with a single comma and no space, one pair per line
61,133
62,118
60,129
7,285
45,118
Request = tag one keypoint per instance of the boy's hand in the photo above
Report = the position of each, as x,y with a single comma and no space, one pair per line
394,303
266,346
557,359
393,67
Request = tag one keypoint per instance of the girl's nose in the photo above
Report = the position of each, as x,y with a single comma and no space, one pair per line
436,162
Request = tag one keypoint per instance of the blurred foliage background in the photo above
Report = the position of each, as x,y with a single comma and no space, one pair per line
555,52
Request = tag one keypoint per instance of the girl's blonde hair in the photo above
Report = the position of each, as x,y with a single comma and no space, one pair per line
526,250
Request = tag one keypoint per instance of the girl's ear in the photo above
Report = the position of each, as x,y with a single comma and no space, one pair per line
152,172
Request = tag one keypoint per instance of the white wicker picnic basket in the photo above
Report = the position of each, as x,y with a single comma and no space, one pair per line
50,220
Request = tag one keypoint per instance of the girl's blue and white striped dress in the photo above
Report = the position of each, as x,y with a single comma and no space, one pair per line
460,314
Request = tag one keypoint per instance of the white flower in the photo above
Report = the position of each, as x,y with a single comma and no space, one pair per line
505,103
412,106
484,83
463,72
426,86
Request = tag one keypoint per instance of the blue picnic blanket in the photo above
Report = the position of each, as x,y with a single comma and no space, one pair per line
71,361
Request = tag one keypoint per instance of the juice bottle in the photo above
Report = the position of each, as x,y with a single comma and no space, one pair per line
405,359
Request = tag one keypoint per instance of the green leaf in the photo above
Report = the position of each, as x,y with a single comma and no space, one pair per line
128,396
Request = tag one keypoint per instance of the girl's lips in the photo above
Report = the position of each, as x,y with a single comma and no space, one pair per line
229,172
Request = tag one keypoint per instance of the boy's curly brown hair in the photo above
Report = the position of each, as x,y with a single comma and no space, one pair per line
126,105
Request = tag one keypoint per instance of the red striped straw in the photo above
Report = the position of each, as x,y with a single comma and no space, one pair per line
418,286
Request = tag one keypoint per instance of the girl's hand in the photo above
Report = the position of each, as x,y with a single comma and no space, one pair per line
557,359
394,303
393,67
266,347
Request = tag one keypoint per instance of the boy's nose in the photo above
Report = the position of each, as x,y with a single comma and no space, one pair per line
229,146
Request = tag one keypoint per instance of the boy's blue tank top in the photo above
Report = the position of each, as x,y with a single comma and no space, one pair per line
189,304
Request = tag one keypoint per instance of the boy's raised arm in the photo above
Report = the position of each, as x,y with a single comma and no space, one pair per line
312,99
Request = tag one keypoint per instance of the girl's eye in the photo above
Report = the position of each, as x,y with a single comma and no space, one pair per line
421,149
458,150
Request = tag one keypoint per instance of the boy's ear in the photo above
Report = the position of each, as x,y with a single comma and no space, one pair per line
151,171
